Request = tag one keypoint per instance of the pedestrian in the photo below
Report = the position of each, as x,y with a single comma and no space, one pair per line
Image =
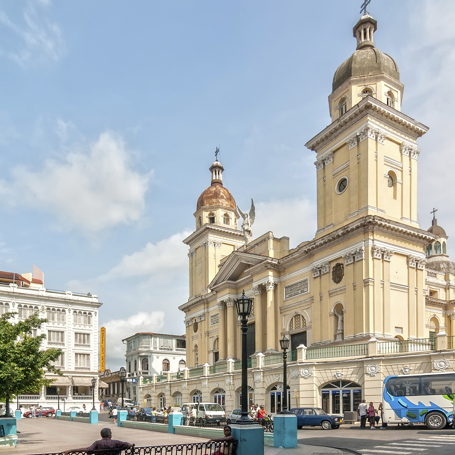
133,414
220,450
105,443
22,411
261,414
40,411
372,415
84,408
114,415
383,424
362,411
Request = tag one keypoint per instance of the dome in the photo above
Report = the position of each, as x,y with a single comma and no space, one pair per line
438,231
366,61
216,194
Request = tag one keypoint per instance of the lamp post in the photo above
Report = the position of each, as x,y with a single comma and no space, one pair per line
284,344
58,398
93,392
244,309
122,374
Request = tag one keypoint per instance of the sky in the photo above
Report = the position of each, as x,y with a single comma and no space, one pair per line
110,112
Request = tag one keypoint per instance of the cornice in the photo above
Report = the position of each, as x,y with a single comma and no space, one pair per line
193,302
202,231
368,106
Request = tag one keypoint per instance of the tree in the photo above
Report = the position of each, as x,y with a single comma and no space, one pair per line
22,361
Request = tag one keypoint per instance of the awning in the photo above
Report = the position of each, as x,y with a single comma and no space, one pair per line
103,385
82,381
60,381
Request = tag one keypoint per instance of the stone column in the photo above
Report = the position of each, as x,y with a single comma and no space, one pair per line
386,312
231,321
412,316
271,347
258,317
222,325
452,324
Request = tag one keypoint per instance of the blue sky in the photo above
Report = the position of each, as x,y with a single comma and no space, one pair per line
111,111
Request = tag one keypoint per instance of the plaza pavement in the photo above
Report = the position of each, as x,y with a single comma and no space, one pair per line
41,436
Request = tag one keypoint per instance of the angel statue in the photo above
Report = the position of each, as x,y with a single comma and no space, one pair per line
248,220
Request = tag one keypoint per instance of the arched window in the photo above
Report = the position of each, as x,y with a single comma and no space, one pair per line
145,364
297,328
339,322
216,350
199,221
429,250
437,248
276,398
219,396
341,396
162,400
226,219
166,365
444,247
4,308
177,399
182,365
342,107
367,92
434,327
211,218
390,99
392,183
196,396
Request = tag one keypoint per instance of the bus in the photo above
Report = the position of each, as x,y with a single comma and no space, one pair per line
419,398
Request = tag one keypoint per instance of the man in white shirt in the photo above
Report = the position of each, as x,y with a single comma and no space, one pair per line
362,411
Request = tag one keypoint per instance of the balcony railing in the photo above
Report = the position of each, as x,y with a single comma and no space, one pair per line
348,350
194,372
415,345
220,368
451,342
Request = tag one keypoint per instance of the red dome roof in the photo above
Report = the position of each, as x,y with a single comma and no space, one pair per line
216,194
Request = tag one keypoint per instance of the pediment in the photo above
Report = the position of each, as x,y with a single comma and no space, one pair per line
235,266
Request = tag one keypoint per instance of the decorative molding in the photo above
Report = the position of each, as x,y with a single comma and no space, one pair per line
441,364
324,160
191,253
372,133
294,373
297,288
228,380
270,285
184,386
257,377
204,383
373,370
352,142
338,374
305,373
357,254
406,369
376,252
409,150
340,168
257,290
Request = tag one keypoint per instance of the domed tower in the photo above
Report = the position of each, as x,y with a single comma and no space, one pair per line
437,257
216,235
367,72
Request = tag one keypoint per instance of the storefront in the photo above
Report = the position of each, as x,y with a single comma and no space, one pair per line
338,397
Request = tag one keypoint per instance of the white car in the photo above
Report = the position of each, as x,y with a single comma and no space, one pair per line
235,415
75,408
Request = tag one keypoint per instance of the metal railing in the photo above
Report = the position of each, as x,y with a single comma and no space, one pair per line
161,378
348,350
196,372
197,448
293,356
273,359
221,368
451,342
238,364
414,345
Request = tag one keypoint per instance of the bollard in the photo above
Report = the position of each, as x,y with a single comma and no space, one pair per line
58,413
285,431
93,416
18,414
121,416
72,415
174,419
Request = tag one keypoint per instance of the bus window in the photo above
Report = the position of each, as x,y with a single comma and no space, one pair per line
404,386
438,384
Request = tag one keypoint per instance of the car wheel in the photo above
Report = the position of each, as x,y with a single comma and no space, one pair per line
326,425
435,420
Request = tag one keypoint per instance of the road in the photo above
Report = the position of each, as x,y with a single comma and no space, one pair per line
392,441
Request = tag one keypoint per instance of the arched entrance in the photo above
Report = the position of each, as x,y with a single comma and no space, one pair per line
161,400
196,396
177,399
219,396
250,396
276,398
148,401
338,397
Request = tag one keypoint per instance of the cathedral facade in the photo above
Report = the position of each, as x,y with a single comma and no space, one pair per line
371,294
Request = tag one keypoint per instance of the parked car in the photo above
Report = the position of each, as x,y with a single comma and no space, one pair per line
75,408
45,411
235,415
314,417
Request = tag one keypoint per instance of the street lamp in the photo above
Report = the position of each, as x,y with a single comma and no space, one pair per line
122,374
58,398
93,392
244,309
284,344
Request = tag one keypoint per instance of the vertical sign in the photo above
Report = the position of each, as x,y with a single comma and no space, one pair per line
103,349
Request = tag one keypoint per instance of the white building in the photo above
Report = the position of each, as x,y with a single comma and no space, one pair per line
72,326
152,355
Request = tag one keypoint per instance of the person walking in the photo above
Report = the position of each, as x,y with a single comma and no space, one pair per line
102,444
372,415
383,424
40,411
362,411
114,415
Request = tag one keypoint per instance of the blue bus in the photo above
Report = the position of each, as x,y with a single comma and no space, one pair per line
419,398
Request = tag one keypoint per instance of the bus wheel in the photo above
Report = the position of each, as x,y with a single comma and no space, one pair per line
435,420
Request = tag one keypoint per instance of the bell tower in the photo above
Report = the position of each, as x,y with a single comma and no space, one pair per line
367,157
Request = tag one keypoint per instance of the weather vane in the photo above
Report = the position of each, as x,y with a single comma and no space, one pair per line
364,7
217,151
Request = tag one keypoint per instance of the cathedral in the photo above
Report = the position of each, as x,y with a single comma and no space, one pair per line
372,294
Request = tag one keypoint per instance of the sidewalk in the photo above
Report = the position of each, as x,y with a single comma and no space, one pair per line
301,449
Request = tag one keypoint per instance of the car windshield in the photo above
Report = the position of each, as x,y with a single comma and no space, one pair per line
213,407
320,412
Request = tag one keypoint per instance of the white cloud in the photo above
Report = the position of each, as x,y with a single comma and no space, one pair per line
168,256
36,39
91,190
119,329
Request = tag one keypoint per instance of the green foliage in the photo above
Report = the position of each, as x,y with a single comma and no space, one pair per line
22,362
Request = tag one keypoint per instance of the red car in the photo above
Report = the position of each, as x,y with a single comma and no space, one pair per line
46,412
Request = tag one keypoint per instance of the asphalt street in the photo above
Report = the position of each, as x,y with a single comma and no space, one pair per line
393,440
